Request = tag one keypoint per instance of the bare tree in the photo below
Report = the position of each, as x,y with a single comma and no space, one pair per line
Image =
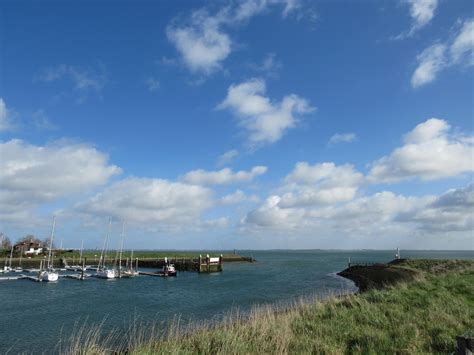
5,242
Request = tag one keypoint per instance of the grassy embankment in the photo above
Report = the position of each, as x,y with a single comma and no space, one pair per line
423,315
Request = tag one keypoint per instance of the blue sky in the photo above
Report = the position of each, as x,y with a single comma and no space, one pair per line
247,124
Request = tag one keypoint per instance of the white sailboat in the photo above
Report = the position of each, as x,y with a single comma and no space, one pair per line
128,271
102,271
49,274
8,266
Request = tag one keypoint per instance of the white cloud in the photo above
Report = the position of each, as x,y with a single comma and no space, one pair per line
430,62
151,201
227,157
373,215
203,41
452,211
153,84
32,175
238,197
306,189
5,120
428,153
271,215
324,183
265,121
438,57
343,138
202,44
462,47
222,177
422,12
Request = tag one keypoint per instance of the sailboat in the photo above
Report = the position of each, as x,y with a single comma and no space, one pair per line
19,268
49,274
128,271
102,271
8,266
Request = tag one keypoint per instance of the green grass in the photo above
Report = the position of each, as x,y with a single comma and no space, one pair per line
422,316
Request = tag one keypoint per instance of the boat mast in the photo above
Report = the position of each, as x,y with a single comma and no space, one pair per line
121,248
104,247
21,254
51,242
80,254
11,256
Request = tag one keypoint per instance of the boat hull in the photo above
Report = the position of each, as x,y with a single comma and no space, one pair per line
49,276
106,274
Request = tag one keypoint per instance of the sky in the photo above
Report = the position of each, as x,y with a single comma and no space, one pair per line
248,124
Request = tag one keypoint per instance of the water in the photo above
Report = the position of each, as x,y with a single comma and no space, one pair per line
32,315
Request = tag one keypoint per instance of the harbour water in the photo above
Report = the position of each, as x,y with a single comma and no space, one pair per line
33,315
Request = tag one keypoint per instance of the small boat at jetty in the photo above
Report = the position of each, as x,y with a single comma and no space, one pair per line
168,270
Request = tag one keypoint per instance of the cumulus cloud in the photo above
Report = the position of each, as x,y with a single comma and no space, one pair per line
364,216
452,211
438,57
343,138
153,201
202,44
222,177
318,184
227,157
32,175
203,41
238,197
5,119
429,152
264,120
306,189
421,12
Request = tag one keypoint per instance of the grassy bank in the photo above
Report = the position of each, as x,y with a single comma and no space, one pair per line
420,316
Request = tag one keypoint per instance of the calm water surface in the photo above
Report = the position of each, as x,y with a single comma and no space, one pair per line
34,314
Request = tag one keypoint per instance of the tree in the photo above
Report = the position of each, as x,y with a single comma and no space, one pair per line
45,243
5,242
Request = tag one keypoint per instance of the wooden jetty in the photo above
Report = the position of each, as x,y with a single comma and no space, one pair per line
9,278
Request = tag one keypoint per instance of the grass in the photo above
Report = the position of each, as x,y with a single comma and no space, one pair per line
422,316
